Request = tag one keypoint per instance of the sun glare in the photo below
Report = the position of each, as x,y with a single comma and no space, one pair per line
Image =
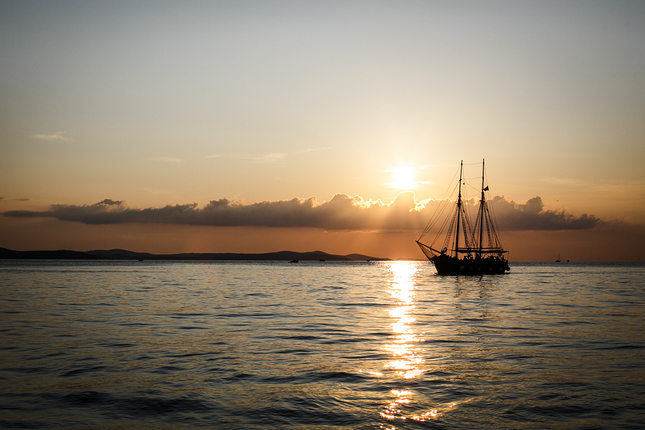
403,178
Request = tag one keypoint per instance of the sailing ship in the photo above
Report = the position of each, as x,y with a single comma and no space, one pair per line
466,251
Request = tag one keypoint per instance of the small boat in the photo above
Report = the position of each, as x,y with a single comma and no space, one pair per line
464,250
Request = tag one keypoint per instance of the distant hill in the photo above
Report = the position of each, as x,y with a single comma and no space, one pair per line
122,254
38,255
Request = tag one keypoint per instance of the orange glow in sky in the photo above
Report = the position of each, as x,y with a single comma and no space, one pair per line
108,108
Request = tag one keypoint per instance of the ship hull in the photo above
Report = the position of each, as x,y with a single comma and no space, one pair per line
447,265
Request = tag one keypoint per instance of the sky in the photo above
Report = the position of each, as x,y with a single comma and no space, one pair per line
260,126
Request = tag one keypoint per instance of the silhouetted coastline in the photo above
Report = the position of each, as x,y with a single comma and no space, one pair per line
122,254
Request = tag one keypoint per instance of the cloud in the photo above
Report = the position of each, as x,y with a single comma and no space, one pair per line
269,158
342,212
532,216
59,135
14,199
109,202
258,159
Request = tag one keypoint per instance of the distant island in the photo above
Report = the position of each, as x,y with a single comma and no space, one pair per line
122,254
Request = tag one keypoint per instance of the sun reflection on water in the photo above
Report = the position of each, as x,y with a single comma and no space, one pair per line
407,361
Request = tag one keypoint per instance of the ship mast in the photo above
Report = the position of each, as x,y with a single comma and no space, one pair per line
461,168
482,203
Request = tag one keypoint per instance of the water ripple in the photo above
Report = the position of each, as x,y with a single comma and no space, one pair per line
319,345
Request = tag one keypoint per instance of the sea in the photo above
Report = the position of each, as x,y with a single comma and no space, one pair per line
320,345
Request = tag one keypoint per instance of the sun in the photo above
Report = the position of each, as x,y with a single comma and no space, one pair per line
403,178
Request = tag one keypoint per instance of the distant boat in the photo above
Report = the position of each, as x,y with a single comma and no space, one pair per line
463,251
558,260
293,261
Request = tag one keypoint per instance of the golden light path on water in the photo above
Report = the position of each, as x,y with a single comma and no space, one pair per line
407,355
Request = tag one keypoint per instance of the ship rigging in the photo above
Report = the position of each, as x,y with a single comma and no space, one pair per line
466,250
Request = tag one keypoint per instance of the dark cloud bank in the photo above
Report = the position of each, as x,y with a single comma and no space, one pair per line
340,213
